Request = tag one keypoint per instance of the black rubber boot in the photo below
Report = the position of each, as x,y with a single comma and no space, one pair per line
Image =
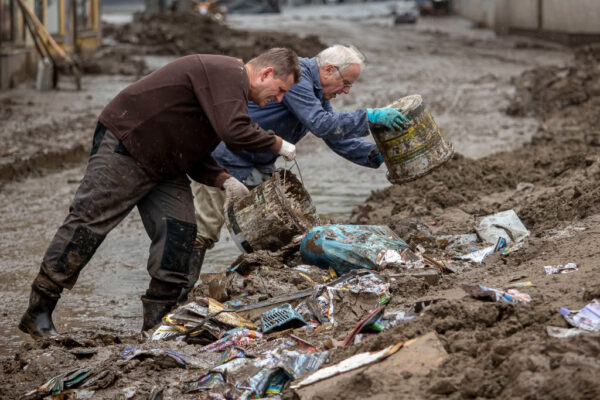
37,320
154,310
195,266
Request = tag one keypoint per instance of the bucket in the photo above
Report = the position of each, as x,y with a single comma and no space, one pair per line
412,152
44,77
271,214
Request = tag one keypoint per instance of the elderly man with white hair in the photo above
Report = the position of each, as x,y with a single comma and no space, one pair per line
305,108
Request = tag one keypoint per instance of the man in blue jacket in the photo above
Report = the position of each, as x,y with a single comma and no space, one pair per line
305,107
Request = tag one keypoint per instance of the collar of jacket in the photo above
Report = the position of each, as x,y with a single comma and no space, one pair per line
313,67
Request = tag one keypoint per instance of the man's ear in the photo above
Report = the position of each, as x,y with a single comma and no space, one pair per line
330,68
264,73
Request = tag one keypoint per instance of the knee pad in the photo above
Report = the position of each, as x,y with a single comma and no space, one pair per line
78,251
179,246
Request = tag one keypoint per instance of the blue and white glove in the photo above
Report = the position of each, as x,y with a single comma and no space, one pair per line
391,118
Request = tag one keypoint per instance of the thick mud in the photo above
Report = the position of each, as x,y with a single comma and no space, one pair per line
499,350
523,118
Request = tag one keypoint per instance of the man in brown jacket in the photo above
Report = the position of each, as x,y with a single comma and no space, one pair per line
149,139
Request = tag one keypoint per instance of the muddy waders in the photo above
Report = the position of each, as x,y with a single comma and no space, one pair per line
37,320
112,186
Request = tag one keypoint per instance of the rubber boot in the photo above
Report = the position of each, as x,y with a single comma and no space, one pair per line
37,320
195,266
154,310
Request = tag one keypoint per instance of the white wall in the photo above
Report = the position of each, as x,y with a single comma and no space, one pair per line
523,14
567,16
572,16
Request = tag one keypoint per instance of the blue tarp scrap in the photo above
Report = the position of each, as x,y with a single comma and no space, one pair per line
348,247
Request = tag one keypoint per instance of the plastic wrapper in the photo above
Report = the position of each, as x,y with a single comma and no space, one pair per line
300,364
182,319
235,337
206,383
501,246
394,318
405,258
560,269
358,284
588,318
485,293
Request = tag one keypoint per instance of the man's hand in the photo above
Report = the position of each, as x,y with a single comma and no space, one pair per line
287,150
234,190
391,118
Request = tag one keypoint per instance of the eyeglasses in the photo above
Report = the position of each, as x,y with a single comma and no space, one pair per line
347,84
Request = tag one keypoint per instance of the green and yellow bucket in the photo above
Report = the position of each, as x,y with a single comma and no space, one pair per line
415,151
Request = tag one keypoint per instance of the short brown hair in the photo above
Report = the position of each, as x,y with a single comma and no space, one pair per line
284,62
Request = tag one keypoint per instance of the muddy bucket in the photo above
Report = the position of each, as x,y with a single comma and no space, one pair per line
412,152
271,214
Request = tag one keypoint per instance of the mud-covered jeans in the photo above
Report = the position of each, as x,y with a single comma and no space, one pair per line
113,184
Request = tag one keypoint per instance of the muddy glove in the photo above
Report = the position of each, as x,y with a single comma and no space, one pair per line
234,190
287,150
388,117
374,159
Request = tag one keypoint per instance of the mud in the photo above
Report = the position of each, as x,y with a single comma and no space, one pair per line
190,33
523,118
500,350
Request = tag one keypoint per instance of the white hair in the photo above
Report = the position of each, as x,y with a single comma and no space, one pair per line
341,56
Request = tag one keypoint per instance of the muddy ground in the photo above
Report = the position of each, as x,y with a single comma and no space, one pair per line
523,117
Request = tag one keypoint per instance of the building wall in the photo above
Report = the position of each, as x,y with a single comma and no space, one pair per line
557,16
572,16
523,14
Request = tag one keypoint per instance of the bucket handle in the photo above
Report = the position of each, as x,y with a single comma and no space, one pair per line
297,167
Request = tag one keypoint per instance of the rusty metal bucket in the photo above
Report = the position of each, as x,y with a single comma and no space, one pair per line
415,151
271,214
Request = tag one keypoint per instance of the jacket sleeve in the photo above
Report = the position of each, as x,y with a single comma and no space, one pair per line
322,120
223,96
208,172
357,150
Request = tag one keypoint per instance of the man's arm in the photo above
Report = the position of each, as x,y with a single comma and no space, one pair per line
209,172
322,120
359,151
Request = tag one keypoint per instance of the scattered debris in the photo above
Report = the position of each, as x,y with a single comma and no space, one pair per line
561,333
588,318
485,293
505,224
560,269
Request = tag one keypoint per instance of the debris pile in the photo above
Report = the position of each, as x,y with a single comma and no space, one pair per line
183,34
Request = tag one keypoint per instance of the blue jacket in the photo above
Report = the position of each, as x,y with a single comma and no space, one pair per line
303,109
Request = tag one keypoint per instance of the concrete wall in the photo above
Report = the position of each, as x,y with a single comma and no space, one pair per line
557,16
523,14
572,16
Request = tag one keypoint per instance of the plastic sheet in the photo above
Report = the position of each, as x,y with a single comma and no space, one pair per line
504,224
348,247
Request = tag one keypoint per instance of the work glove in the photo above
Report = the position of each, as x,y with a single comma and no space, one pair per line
375,158
234,190
287,150
389,117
